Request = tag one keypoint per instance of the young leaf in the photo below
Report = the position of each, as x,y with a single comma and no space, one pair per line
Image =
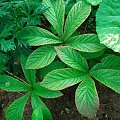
86,43
94,2
37,114
55,14
30,75
108,28
35,101
34,36
86,98
53,66
77,15
41,57
11,84
45,93
15,110
72,58
108,72
62,78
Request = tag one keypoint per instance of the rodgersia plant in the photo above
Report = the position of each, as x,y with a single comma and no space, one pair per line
36,36
31,90
68,48
69,56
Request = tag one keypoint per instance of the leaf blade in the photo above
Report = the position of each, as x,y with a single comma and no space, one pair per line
62,78
17,108
107,24
46,93
86,98
34,36
76,16
86,43
35,101
41,57
11,84
55,14
30,75
72,58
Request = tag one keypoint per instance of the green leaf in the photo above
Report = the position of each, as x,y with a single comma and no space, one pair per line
90,55
53,66
86,98
11,84
45,93
72,58
94,2
7,45
62,78
30,75
35,101
15,110
41,57
76,16
108,72
109,62
37,114
86,43
55,14
108,28
35,36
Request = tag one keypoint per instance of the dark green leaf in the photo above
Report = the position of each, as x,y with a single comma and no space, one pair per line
30,75
35,101
46,93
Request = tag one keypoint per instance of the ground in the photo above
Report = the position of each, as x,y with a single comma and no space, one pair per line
63,108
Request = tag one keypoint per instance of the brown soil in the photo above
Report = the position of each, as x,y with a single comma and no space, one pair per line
63,108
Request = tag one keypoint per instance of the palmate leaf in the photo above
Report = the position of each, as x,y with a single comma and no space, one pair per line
45,93
35,36
55,14
11,84
63,78
35,101
94,2
108,24
76,16
72,58
30,75
37,114
108,72
15,110
41,57
86,98
86,43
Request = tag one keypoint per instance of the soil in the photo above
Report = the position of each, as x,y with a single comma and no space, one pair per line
63,108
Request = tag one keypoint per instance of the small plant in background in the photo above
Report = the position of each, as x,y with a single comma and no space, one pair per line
30,88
